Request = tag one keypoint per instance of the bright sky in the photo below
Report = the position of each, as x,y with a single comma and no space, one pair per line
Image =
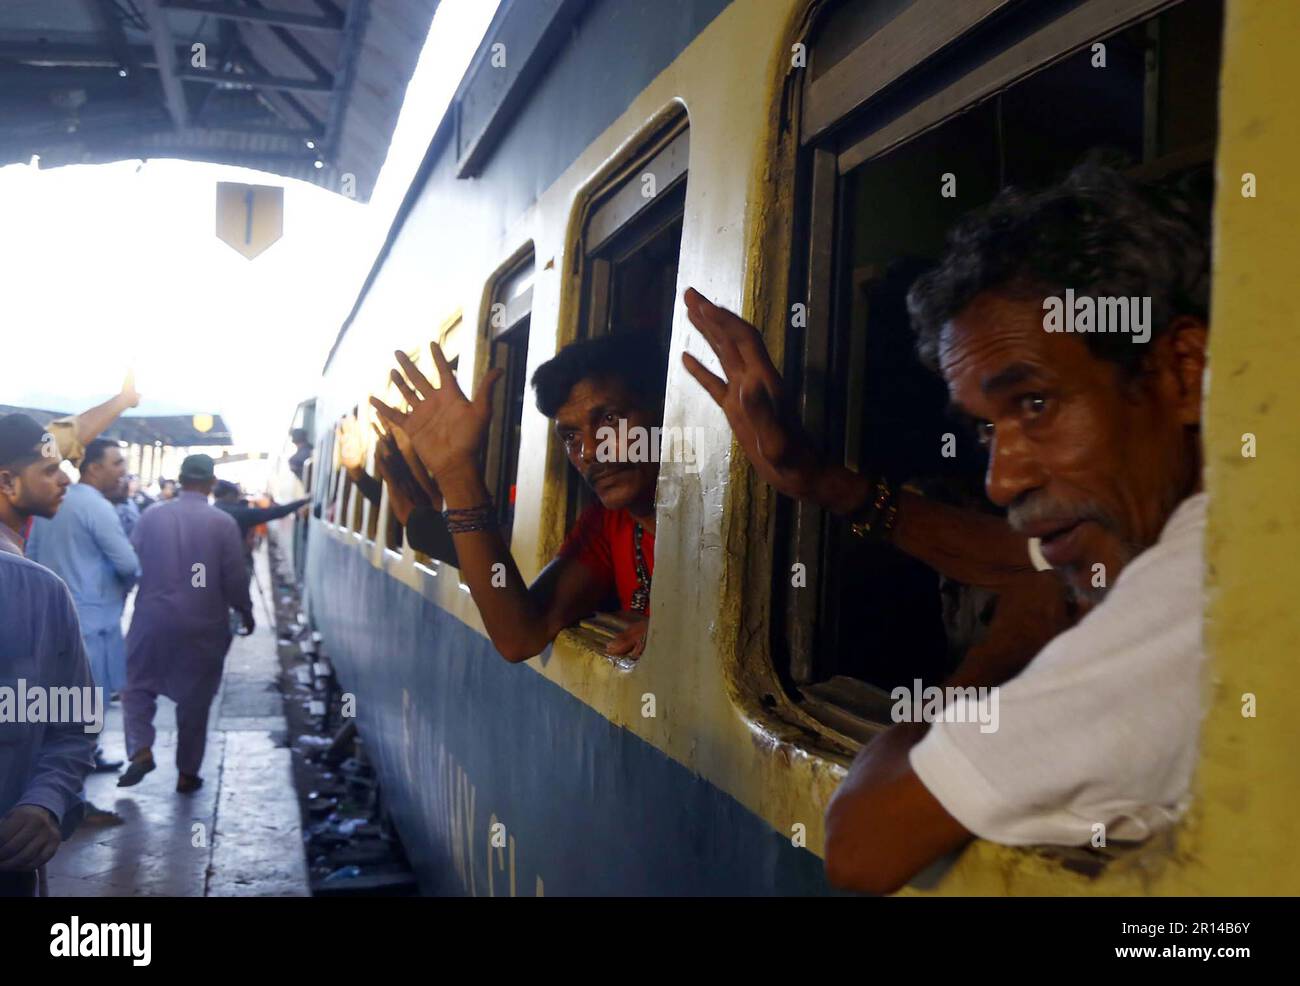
114,267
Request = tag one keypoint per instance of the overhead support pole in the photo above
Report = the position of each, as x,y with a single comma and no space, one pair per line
257,15
165,52
248,80
122,51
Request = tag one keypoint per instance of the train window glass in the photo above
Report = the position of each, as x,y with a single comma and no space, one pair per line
631,247
509,317
871,618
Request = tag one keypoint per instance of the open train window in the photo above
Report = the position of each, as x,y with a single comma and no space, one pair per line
631,245
896,151
509,317
322,473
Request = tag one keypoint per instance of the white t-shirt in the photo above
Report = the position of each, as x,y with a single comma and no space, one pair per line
1102,726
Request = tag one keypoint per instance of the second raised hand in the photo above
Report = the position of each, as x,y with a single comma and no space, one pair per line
445,429
751,397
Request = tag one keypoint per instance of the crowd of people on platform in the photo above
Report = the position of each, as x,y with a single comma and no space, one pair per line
71,554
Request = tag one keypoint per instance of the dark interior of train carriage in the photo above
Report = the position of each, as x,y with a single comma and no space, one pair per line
880,616
508,323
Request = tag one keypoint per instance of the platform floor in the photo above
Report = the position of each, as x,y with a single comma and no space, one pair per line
238,835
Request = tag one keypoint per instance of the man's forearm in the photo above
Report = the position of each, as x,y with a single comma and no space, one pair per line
966,545
262,515
91,423
882,825
370,487
510,615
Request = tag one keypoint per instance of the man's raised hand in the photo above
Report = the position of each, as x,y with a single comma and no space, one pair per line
352,450
130,396
751,397
445,428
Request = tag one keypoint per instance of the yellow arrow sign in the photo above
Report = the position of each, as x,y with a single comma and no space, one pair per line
250,218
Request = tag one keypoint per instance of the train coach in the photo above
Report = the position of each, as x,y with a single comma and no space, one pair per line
793,160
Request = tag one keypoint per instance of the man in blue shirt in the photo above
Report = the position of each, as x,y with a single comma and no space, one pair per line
84,545
42,763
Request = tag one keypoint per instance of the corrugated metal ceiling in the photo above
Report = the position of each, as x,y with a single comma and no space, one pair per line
307,89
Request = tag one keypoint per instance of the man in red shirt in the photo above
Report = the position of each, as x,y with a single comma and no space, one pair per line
588,389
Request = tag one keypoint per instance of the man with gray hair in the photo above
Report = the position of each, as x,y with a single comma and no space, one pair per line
1094,450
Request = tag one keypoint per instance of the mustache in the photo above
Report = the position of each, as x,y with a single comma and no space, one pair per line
599,471
1044,507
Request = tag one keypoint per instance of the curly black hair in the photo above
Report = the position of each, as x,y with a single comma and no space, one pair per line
1098,232
634,358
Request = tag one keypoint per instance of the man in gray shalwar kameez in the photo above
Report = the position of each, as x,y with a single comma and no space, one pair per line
192,575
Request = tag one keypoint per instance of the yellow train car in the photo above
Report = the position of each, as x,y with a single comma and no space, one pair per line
788,159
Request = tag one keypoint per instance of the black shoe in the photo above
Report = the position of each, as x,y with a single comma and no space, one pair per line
135,772
188,783
103,766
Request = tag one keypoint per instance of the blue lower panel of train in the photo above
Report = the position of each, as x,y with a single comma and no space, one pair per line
500,781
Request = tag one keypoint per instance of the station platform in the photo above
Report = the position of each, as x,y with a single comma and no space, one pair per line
238,835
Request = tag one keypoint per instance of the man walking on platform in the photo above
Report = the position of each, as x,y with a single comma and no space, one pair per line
192,574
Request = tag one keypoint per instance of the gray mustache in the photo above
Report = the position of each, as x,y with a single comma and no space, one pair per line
1041,508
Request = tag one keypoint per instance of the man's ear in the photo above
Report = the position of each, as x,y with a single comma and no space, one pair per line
1187,340
9,483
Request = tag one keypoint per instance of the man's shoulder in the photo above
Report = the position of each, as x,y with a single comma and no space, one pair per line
17,571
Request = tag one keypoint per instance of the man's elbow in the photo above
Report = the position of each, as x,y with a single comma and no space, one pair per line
516,652
855,860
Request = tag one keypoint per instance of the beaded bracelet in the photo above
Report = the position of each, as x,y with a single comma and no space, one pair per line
466,520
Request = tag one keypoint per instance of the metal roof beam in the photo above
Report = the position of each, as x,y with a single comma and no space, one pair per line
70,54
269,130
250,80
253,15
164,52
294,45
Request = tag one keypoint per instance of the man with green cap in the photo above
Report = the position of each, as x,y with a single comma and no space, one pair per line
192,575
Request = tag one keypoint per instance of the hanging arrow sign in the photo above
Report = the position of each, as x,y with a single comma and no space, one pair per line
250,218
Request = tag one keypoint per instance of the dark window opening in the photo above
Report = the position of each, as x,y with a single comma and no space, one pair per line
508,321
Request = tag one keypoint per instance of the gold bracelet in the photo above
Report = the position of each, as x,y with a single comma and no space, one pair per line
877,518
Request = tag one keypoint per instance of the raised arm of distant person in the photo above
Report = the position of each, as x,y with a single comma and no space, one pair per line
252,516
74,432
352,455
446,431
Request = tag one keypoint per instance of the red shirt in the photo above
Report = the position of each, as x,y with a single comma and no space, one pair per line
604,541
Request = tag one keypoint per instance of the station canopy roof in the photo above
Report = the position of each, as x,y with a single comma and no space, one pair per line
307,89
154,426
